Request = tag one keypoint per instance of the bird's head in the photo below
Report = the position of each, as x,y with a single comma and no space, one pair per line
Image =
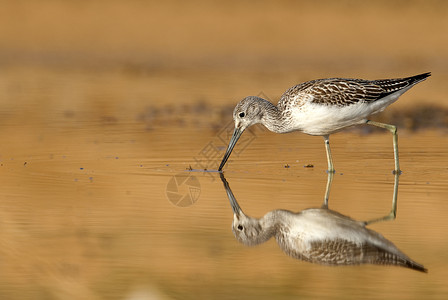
247,230
247,112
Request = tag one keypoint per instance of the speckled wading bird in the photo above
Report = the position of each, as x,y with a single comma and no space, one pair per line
322,107
318,235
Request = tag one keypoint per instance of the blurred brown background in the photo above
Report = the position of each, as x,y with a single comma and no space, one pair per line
152,53
293,36
305,38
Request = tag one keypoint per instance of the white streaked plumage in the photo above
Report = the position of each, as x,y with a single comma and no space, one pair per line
322,107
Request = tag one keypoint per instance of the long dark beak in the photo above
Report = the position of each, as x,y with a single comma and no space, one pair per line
235,136
235,207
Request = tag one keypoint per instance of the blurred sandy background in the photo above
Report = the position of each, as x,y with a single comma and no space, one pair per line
222,51
294,36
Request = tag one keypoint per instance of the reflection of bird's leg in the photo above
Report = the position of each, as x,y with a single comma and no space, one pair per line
327,190
393,213
329,157
393,130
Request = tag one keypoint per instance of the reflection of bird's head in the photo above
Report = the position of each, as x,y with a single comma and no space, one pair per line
247,230
250,231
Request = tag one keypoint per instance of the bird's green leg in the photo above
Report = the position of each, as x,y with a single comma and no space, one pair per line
393,129
329,159
393,213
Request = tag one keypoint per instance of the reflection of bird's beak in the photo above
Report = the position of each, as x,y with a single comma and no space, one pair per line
235,136
235,207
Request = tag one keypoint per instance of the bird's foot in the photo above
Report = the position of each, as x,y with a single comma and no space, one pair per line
395,172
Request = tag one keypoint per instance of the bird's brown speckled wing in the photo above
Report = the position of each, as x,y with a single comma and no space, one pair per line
343,92
342,252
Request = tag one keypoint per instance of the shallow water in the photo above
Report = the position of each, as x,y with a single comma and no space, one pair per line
93,206
86,213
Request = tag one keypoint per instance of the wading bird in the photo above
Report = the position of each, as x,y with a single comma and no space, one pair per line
322,107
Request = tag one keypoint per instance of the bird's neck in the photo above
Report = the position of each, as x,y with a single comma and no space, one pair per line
272,117
268,226
272,221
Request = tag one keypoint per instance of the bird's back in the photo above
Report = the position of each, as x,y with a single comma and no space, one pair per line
325,106
344,252
326,237
346,91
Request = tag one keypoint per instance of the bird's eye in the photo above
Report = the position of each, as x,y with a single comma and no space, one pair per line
240,227
242,114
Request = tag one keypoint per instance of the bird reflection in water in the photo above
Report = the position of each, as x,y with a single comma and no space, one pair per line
320,235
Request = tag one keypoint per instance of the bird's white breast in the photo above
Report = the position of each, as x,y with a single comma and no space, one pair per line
321,119
317,225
